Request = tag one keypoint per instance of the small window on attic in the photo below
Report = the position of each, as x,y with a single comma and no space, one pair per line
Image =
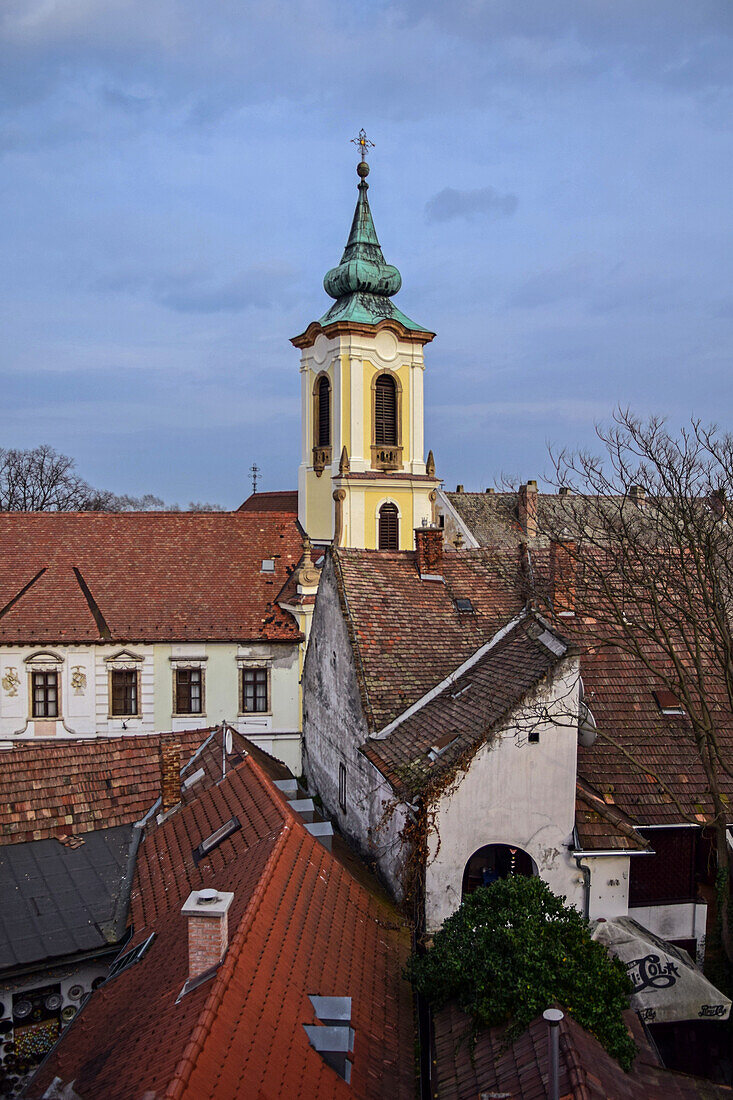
268,565
464,605
438,748
669,704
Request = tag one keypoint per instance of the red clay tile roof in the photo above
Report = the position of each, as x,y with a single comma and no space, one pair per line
468,709
643,760
519,1070
145,576
280,501
299,925
408,632
51,788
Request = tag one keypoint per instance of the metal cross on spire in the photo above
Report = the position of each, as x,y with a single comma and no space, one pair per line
364,143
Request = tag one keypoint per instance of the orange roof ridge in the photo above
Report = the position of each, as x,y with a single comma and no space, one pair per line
185,1067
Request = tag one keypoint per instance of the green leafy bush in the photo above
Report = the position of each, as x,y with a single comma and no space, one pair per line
512,950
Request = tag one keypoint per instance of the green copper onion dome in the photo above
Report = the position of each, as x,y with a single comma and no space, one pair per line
363,282
362,268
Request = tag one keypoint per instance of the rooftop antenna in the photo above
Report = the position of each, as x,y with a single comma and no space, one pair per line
255,475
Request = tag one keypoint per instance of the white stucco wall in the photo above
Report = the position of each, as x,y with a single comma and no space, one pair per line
85,708
516,793
681,921
609,885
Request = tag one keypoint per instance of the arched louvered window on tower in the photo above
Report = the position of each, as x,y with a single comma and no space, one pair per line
321,424
389,527
324,412
385,411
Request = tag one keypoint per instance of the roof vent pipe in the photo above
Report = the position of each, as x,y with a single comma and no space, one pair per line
553,1016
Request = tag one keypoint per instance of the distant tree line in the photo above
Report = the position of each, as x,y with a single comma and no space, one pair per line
42,480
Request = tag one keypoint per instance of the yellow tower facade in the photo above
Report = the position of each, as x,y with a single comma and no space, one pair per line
363,479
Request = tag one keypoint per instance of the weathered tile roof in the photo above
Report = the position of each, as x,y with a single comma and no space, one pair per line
299,925
643,762
463,715
56,788
493,518
408,631
60,901
519,1070
145,576
602,826
282,500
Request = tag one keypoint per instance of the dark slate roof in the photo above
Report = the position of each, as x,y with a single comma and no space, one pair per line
463,715
59,901
299,925
518,1070
408,632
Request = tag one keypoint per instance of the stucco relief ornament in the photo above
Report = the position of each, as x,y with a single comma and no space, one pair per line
11,681
78,679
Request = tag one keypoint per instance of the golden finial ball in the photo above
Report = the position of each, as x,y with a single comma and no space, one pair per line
362,169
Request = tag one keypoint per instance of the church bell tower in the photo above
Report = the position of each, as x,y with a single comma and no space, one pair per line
363,479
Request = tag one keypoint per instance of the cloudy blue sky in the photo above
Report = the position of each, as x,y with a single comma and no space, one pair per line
553,180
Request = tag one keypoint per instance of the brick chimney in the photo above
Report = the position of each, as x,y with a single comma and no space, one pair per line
527,505
429,550
170,773
208,929
562,576
637,494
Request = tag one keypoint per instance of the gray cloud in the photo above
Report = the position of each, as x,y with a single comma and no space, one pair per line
483,201
259,287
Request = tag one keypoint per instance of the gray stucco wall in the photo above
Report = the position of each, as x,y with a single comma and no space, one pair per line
334,726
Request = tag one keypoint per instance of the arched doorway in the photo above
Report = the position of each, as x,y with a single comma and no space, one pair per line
495,861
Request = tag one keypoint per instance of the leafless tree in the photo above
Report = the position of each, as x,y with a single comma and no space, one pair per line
644,531
41,480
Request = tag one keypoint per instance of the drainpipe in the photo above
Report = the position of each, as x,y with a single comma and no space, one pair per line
585,872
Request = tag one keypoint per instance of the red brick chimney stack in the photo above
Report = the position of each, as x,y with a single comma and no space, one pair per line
562,575
170,773
429,550
208,929
527,505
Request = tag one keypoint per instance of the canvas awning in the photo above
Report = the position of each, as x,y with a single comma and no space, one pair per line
668,986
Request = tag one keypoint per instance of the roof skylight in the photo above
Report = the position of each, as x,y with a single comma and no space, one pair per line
464,604
669,704
216,838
